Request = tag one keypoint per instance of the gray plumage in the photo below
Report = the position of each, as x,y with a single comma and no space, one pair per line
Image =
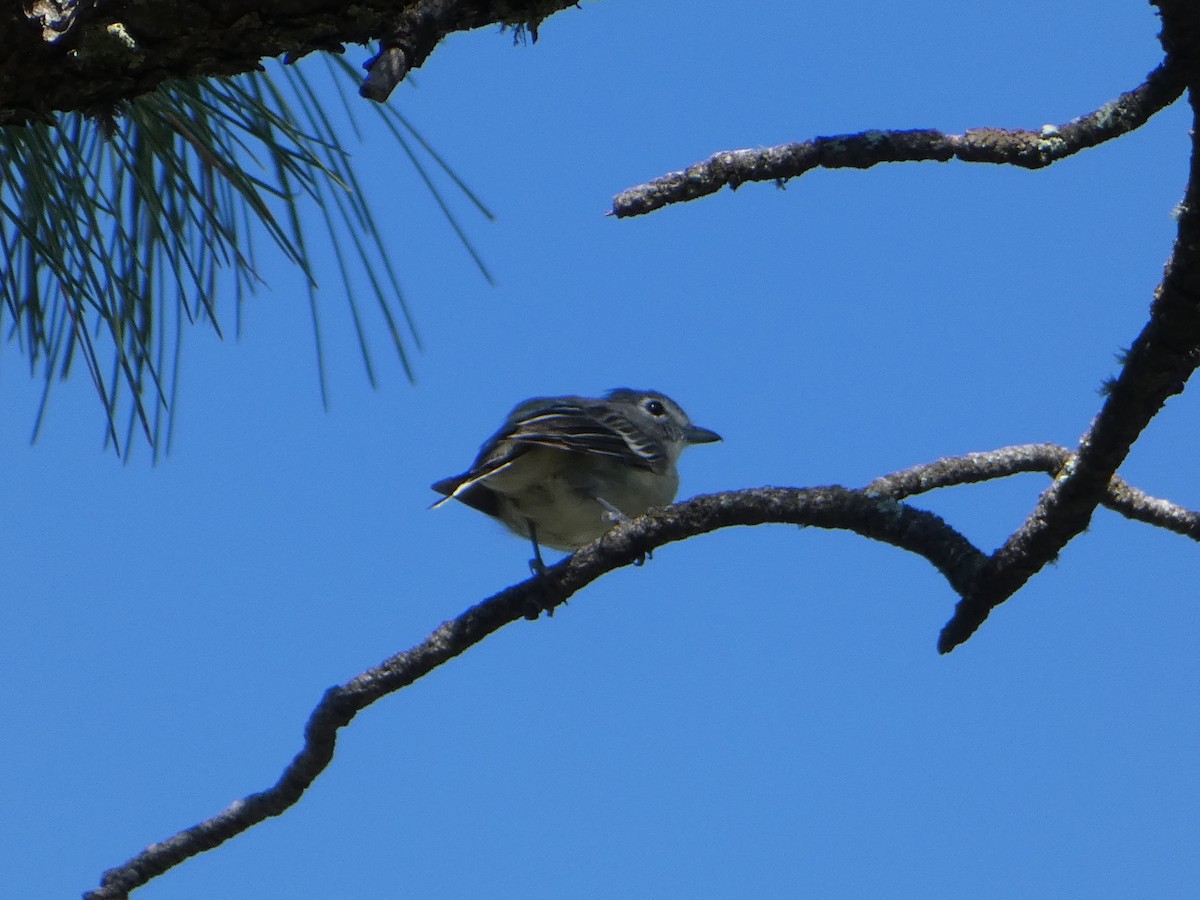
562,470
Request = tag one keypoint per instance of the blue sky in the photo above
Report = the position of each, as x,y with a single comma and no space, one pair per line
755,711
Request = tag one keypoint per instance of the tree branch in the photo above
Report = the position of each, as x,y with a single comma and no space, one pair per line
874,512
831,507
1049,458
1027,149
422,25
81,56
1157,367
1161,359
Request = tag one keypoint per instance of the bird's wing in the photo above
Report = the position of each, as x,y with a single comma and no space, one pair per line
582,427
561,423
466,487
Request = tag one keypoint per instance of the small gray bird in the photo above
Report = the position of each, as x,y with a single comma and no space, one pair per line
562,471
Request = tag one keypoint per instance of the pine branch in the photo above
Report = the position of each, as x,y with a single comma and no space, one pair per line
66,55
117,230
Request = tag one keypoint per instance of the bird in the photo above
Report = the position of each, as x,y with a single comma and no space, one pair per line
561,471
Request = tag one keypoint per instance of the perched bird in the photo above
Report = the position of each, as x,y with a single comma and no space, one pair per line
562,471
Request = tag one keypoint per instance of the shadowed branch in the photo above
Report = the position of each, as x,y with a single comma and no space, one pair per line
1156,368
874,512
420,27
832,507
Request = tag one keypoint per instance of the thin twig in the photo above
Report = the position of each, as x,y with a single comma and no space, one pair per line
1049,458
1018,147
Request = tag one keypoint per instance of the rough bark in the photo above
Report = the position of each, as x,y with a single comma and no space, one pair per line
88,56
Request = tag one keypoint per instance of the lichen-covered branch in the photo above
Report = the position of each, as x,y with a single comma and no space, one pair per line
1156,368
1049,458
833,507
1158,365
1018,147
874,512
1152,375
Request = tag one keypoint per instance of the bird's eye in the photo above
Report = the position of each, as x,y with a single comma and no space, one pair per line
655,408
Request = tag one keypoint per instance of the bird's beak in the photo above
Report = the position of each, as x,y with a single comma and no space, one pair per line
694,434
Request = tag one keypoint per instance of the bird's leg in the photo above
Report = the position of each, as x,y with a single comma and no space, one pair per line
615,516
538,567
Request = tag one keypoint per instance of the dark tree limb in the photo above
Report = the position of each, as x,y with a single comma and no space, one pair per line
1162,359
874,512
1158,364
85,56
879,518
1156,368
1027,149
422,25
